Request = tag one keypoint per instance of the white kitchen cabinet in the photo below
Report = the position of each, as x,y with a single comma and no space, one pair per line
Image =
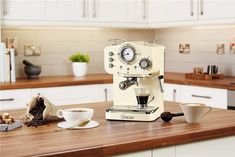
165,13
136,11
106,92
209,148
14,99
172,92
216,9
85,10
213,97
145,153
164,152
66,10
69,94
172,10
108,10
23,10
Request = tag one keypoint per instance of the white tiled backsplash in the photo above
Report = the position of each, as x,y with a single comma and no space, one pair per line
203,41
57,44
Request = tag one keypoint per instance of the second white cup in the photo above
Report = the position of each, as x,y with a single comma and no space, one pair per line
193,112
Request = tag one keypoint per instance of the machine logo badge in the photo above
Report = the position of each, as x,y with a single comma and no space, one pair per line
127,117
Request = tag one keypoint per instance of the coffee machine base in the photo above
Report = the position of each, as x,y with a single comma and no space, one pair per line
132,113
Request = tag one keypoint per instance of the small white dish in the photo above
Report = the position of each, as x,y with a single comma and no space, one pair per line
65,125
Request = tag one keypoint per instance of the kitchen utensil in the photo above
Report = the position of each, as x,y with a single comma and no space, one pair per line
167,116
208,69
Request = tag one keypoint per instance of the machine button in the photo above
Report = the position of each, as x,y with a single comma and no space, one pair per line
145,63
110,65
110,59
111,53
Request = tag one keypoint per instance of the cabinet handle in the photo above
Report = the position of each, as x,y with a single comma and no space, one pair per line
84,8
144,9
174,95
106,94
4,7
7,99
94,8
201,96
191,7
201,7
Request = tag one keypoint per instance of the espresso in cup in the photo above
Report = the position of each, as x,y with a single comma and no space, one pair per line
75,116
142,96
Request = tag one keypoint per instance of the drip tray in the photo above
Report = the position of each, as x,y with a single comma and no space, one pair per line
125,108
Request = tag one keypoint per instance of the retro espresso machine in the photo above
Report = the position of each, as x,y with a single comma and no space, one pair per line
136,66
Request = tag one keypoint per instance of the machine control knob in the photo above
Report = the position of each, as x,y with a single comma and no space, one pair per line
111,65
145,63
111,53
110,59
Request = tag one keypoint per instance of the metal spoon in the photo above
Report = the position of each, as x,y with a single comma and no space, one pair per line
82,124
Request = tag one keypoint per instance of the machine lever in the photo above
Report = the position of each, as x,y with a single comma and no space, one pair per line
160,82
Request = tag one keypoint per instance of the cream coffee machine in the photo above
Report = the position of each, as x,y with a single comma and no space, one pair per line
137,68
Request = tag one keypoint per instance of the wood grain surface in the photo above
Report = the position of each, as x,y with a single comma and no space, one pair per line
113,137
53,81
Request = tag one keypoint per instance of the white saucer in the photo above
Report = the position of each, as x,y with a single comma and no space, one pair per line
65,125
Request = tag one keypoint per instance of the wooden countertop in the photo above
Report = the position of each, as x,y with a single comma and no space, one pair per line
53,81
113,137
179,78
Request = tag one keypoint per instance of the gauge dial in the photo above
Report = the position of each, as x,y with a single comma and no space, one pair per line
127,54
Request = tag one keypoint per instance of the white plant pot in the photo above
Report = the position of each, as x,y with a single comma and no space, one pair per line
79,68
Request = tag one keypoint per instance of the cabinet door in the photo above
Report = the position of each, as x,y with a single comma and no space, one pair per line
220,147
210,96
14,99
106,92
66,10
69,94
108,10
172,10
164,152
145,153
172,92
216,9
23,9
136,11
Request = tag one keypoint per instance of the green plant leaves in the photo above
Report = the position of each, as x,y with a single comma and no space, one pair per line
78,57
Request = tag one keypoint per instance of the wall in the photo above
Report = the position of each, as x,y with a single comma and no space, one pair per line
57,44
203,41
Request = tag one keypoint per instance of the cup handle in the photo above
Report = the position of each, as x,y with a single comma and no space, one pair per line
59,113
151,100
210,108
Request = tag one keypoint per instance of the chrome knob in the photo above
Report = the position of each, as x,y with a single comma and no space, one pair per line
110,59
111,53
145,63
110,65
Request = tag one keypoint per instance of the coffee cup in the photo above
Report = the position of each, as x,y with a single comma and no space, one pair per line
142,96
193,112
75,116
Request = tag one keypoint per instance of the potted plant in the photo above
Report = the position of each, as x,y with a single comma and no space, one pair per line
79,64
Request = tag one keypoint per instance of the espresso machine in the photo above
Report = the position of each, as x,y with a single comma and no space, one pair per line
136,66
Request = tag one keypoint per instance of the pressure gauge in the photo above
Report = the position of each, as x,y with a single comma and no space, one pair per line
127,54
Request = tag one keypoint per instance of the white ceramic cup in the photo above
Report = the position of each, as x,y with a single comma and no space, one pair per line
75,116
193,112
